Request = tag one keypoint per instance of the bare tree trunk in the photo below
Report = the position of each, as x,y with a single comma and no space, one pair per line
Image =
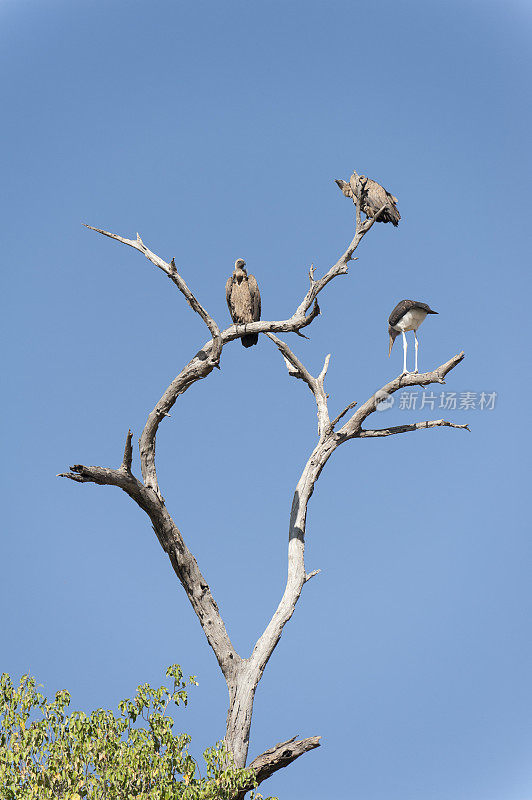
242,675
241,697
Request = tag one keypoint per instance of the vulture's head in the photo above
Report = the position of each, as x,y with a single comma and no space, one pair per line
240,269
344,187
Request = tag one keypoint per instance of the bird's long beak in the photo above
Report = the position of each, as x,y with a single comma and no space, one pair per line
392,340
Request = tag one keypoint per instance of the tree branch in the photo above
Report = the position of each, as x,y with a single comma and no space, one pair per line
209,356
148,496
171,270
183,562
315,384
329,441
337,419
340,267
295,367
352,427
242,675
417,426
277,757
128,452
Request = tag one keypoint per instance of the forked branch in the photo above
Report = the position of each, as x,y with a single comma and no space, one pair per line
243,674
353,427
329,440
209,356
297,370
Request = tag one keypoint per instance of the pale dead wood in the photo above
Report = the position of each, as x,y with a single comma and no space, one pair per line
243,674
297,370
337,419
128,452
340,267
189,375
417,426
277,757
183,562
238,675
329,440
354,424
209,356
170,269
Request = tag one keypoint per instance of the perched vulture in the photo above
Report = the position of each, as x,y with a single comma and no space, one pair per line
371,196
243,298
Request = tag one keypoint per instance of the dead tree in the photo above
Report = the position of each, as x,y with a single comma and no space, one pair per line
242,674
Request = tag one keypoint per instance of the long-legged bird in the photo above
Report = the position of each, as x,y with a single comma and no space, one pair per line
243,298
407,316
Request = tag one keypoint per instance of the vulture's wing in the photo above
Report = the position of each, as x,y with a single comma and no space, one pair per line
255,297
228,288
376,194
376,197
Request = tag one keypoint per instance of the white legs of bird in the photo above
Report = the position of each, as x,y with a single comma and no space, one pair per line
405,347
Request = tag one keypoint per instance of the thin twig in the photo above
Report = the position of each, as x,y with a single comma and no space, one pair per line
433,423
128,452
342,414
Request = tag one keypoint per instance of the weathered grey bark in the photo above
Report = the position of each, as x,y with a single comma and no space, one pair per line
278,757
242,675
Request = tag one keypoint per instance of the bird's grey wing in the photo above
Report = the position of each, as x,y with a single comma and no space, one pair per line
228,288
425,307
255,297
400,310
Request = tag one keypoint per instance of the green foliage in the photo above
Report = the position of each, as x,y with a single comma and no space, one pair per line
47,754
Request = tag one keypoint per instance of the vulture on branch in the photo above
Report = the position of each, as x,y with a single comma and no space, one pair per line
243,298
372,197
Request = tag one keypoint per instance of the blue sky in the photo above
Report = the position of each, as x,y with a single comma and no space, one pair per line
216,130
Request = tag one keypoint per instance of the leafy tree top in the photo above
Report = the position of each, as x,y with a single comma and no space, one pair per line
46,753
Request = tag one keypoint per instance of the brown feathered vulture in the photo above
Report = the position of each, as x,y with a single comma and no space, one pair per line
371,197
243,299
